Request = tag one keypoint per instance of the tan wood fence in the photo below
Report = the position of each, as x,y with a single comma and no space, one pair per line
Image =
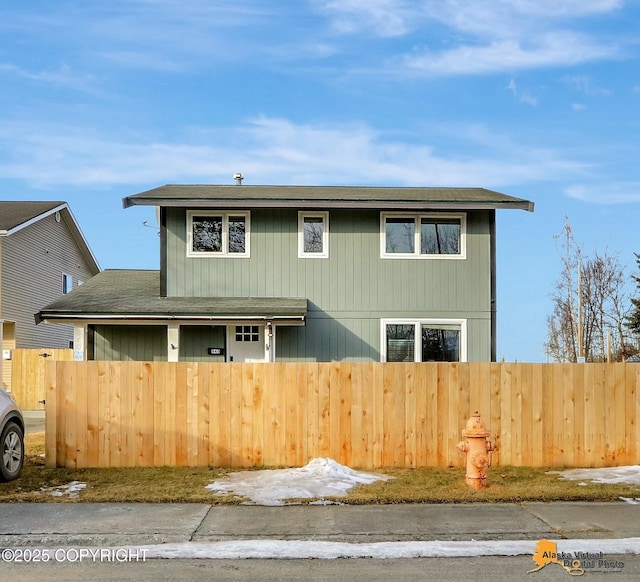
364,415
27,374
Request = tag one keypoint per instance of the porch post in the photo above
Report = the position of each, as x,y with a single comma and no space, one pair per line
269,342
79,341
173,342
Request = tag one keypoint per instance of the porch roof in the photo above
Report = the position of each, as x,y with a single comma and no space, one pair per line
122,294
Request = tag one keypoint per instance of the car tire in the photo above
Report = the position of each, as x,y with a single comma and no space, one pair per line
11,452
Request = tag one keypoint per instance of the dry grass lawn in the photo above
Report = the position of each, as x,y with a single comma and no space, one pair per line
187,484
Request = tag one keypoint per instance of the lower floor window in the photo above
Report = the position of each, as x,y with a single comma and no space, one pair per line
423,341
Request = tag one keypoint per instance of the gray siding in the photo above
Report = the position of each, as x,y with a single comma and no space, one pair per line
350,291
33,261
143,343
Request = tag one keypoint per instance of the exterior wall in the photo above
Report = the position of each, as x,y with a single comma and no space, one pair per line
146,343
196,339
349,292
358,339
33,261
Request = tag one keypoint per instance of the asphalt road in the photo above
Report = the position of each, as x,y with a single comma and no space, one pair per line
33,421
371,570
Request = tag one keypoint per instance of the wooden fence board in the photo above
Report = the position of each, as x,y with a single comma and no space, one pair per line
363,415
28,386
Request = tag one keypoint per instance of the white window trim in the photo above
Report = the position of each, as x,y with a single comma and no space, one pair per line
416,217
417,351
325,235
64,279
225,234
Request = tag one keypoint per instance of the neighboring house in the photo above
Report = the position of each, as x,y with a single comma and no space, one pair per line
43,255
297,273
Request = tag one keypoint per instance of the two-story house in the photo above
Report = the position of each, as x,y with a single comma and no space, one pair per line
302,273
43,255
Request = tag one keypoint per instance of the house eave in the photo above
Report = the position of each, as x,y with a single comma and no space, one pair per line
330,204
324,197
132,318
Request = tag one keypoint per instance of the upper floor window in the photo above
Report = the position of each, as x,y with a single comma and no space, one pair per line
313,234
67,283
423,235
223,234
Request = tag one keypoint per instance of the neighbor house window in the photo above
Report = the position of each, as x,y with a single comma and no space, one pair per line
67,283
313,235
223,234
422,235
429,340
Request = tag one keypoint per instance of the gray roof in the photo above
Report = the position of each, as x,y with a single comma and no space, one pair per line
16,213
131,294
325,197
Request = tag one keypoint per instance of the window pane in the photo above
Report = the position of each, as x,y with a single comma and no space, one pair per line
67,283
400,235
440,236
440,344
400,342
207,234
313,231
237,234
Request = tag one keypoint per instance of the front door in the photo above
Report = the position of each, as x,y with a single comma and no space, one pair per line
245,343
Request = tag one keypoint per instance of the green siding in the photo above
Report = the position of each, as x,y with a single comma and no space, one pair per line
145,343
195,341
350,291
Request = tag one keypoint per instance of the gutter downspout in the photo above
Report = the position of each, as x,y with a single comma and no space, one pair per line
494,308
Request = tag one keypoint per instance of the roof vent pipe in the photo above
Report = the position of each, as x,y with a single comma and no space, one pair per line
238,177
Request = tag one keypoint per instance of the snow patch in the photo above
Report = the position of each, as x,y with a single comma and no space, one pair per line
309,549
70,489
319,478
608,475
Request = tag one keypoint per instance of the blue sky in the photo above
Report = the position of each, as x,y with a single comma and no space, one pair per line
534,98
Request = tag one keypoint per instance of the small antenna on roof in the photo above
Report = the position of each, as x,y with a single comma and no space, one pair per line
238,177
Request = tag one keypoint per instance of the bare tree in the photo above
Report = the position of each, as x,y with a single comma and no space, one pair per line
590,305
633,319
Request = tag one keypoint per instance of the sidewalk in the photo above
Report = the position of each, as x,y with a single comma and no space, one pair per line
130,524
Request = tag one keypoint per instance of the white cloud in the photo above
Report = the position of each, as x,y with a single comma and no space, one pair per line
64,77
482,37
508,17
605,193
521,96
507,55
585,84
382,17
270,151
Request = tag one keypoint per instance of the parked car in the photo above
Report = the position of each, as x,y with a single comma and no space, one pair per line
11,438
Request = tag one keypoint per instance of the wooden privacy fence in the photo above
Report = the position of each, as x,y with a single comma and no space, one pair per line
365,415
27,374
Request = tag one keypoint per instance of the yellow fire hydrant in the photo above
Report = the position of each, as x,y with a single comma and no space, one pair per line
478,450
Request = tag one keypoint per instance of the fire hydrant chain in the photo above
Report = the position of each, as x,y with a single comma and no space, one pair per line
478,450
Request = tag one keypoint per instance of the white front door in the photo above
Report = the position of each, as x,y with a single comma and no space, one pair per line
246,343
